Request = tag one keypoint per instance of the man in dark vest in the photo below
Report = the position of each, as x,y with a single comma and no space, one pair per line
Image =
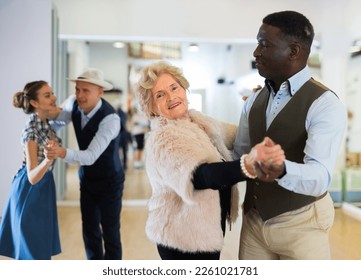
289,217
101,174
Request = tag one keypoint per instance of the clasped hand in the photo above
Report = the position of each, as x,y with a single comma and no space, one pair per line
50,151
267,159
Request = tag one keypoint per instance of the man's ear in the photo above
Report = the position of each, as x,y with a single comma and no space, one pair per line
101,91
295,49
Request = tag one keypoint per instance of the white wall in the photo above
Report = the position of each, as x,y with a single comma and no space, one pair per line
208,19
113,62
25,55
216,19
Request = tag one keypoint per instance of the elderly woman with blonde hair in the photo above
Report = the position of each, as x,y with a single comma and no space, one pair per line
190,168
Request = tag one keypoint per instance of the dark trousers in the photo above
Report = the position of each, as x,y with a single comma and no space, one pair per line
123,146
101,221
167,253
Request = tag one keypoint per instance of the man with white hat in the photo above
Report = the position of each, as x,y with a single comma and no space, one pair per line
101,174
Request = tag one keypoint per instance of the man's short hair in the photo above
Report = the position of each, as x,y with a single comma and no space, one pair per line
292,24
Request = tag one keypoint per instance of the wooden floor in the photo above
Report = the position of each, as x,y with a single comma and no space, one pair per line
345,236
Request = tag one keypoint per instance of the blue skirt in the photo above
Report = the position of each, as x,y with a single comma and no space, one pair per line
29,228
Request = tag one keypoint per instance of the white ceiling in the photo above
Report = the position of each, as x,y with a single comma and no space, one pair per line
201,20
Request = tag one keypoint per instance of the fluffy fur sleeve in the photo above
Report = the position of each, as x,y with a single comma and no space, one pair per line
174,150
224,133
229,134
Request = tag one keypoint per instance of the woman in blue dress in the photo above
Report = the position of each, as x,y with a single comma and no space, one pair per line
29,226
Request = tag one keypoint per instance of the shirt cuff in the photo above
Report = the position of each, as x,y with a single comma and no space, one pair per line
292,175
69,157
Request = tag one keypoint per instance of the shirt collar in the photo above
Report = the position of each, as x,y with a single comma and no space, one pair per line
43,125
92,112
294,83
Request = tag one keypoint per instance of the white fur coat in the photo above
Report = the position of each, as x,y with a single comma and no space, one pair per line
180,216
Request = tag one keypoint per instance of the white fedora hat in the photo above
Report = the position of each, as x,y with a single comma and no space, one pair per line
93,76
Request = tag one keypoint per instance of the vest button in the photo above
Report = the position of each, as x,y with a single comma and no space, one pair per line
255,197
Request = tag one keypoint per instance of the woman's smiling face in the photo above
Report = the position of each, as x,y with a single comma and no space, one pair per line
169,98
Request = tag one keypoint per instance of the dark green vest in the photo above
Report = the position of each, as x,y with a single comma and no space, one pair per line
288,130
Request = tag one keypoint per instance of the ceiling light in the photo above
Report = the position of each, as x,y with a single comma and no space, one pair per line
193,48
118,45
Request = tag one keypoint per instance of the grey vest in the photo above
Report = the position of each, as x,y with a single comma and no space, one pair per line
288,130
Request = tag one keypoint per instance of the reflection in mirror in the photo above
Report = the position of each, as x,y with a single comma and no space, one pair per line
212,71
352,174
353,103
219,73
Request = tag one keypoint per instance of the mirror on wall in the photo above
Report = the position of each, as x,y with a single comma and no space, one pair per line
219,75
352,172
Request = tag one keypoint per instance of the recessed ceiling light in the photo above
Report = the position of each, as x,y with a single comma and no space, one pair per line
193,48
118,45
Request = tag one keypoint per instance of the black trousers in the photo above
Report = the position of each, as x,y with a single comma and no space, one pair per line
101,222
167,253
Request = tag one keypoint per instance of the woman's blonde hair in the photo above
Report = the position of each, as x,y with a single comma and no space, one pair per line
146,82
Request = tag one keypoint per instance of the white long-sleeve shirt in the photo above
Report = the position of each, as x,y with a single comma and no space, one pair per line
109,129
